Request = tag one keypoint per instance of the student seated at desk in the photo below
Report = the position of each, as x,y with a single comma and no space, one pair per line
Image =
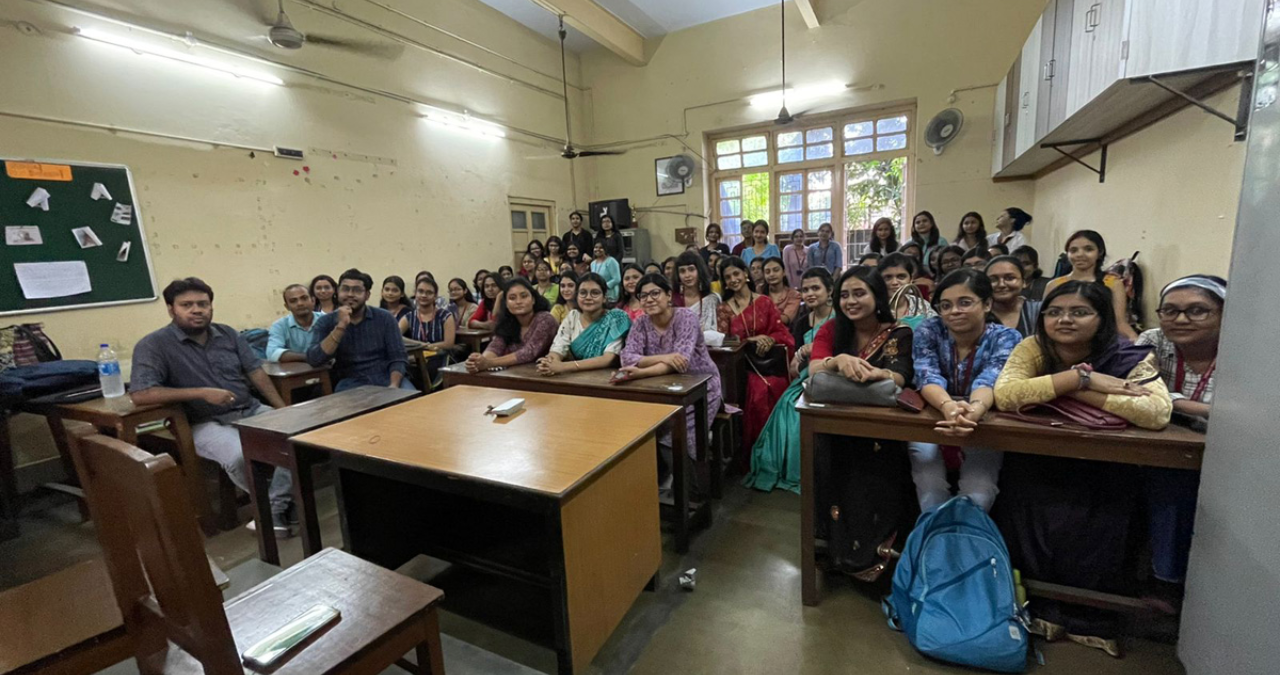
463,302
208,367
430,324
323,291
486,314
1033,276
1186,345
898,270
1087,251
775,458
524,330
865,504
958,356
394,299
667,340
566,300
364,342
590,337
546,285
692,289
1068,521
1008,304
785,298
627,300
290,335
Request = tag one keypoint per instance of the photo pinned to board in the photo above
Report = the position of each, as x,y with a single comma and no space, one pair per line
99,192
22,235
39,199
122,215
86,238
123,255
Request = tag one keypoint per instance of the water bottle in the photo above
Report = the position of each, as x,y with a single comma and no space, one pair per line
110,378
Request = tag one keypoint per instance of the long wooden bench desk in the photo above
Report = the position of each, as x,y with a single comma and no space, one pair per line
1174,447
682,390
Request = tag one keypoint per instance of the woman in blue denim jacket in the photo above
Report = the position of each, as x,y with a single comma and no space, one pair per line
958,356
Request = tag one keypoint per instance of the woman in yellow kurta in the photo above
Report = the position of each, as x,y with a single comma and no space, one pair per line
1068,521
1087,251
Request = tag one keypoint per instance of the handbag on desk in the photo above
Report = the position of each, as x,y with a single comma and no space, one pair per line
836,389
1065,411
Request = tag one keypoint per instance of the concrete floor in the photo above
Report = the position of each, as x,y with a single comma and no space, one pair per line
745,615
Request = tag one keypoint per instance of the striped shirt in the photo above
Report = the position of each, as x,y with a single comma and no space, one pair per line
1167,357
370,350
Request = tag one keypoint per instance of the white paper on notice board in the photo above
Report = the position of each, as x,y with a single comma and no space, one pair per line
53,280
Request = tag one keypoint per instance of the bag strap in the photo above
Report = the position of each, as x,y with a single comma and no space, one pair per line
900,294
45,349
890,614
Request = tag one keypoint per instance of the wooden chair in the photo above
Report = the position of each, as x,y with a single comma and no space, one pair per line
175,614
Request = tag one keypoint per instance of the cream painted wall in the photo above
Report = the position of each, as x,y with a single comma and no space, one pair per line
1172,191
917,49
249,226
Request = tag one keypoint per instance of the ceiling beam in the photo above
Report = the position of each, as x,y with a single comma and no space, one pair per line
808,12
600,25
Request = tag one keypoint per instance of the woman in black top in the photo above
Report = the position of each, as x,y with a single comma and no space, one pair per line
713,245
610,238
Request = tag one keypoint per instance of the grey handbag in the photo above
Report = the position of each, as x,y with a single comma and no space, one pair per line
833,388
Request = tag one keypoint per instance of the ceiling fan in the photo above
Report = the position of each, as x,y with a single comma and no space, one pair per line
282,34
784,116
570,152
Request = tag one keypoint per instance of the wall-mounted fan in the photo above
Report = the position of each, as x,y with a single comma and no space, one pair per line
943,128
681,168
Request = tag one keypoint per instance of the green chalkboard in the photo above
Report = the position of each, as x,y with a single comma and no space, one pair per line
71,206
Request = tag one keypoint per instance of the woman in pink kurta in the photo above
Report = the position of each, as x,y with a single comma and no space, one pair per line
755,320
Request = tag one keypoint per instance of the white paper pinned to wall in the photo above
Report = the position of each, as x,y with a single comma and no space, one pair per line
122,214
39,199
53,280
99,192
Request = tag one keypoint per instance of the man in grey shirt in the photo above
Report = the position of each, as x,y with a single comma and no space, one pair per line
208,367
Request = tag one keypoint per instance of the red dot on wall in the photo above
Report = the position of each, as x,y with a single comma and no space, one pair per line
295,172
307,169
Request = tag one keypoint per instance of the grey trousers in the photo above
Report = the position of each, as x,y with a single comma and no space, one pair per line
221,443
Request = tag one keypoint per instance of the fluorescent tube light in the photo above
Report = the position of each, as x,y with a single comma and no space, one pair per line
164,52
464,123
773,99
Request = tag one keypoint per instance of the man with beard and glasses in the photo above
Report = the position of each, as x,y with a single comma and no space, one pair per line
208,367
364,342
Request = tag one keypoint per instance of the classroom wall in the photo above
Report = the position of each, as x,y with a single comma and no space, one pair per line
917,49
433,199
1172,192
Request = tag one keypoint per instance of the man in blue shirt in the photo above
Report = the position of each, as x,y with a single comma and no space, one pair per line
290,335
825,253
208,368
364,342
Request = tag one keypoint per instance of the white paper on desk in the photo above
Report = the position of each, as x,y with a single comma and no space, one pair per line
122,214
39,199
53,280
99,192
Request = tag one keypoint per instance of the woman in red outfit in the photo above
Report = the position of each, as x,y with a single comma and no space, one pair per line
754,319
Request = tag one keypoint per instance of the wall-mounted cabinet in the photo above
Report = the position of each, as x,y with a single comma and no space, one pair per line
1082,71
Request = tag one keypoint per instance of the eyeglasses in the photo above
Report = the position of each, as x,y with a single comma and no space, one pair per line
351,289
651,295
1076,313
1194,313
963,304
591,293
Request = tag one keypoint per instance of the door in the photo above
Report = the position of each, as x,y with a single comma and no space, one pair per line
1029,91
529,221
1013,84
1059,63
1168,36
1096,50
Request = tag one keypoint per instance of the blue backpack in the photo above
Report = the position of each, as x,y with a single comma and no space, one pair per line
257,339
953,591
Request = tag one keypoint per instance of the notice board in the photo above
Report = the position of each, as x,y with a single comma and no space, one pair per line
73,237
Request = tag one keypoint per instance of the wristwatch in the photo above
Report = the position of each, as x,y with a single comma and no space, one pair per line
1086,373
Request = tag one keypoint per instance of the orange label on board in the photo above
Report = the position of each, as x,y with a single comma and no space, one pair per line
37,171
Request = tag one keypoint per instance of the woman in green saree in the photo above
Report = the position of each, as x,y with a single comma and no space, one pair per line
590,337
775,458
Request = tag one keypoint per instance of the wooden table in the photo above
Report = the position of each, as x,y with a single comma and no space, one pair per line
732,362
681,390
418,353
67,622
293,375
529,499
265,441
123,422
473,338
1175,447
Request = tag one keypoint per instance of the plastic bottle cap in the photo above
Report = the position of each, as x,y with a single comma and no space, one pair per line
104,345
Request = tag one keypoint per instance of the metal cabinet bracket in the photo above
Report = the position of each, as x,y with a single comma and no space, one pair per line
1240,121
1102,165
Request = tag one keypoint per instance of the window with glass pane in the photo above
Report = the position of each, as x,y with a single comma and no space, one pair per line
519,220
885,134
790,201
874,189
731,210
742,152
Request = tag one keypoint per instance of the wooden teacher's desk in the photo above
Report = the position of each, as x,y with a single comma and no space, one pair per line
527,499
264,439
682,390
1174,447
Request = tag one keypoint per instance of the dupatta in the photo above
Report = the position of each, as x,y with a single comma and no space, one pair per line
610,327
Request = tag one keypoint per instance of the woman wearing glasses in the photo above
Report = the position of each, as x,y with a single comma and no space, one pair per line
590,337
958,355
1186,345
665,340
1068,521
